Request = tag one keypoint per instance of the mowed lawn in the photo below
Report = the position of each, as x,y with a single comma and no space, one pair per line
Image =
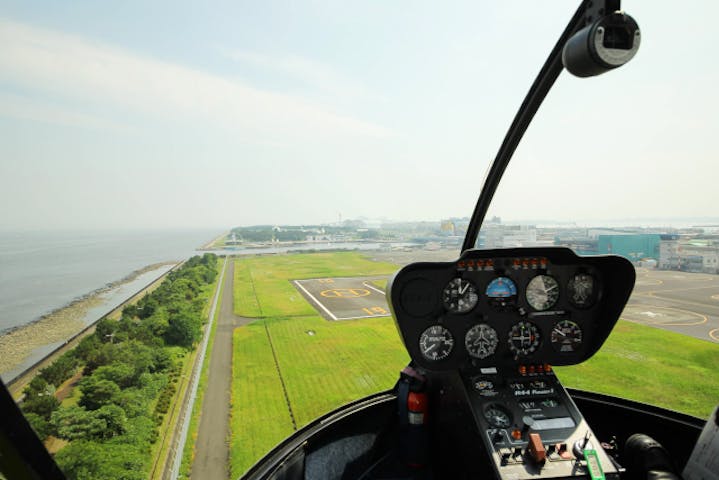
263,285
324,365
654,366
327,364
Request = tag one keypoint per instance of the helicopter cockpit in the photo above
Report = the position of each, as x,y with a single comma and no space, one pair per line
501,319
480,397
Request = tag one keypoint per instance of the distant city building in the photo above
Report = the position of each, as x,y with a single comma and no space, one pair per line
669,252
495,235
633,246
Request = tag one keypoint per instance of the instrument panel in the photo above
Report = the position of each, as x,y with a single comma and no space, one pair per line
522,307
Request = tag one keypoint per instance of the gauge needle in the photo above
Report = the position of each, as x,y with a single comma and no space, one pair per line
560,332
462,290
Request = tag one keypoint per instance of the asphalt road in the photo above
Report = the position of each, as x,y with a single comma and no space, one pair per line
344,298
683,302
211,448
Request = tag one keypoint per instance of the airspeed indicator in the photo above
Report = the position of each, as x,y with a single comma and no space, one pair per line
460,296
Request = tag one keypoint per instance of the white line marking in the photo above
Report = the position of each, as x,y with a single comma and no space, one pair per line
373,288
364,316
316,301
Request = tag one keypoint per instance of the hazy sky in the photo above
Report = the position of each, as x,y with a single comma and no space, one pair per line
169,114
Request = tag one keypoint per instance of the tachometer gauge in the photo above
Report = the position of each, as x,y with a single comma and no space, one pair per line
581,290
501,292
566,336
524,338
542,292
459,296
436,343
498,416
481,341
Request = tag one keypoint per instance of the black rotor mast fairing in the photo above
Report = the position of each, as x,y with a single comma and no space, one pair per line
585,21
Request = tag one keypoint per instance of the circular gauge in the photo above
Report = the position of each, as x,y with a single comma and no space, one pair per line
581,290
542,292
436,343
501,292
524,338
481,341
459,296
566,336
498,416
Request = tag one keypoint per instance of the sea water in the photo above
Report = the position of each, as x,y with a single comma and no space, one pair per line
43,271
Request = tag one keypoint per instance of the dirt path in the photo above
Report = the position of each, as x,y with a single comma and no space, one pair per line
212,449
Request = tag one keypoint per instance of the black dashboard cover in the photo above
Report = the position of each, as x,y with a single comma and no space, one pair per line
416,292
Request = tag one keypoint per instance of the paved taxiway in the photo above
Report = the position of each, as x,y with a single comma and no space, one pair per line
683,302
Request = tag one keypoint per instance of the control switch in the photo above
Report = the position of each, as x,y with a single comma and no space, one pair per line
536,448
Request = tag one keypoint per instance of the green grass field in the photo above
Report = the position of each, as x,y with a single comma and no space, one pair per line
343,361
263,285
652,366
338,363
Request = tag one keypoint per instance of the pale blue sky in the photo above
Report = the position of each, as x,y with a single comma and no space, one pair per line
169,114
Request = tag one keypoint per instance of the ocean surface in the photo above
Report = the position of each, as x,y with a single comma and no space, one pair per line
43,271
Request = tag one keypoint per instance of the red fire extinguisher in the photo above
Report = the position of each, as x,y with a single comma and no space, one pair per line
413,407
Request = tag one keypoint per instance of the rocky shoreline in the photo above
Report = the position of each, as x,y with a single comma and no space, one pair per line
57,326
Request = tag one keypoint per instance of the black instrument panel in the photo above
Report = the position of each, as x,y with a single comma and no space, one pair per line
509,307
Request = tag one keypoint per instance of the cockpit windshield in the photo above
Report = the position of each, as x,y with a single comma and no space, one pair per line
201,207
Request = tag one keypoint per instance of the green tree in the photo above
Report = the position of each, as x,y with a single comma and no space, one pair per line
86,460
86,347
42,403
184,329
114,418
97,392
121,373
76,423
40,425
60,370
106,329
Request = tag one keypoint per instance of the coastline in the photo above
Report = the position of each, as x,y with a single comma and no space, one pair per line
54,328
211,245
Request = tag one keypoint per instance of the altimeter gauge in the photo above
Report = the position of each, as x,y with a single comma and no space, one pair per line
566,336
524,338
481,341
460,296
542,292
436,343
